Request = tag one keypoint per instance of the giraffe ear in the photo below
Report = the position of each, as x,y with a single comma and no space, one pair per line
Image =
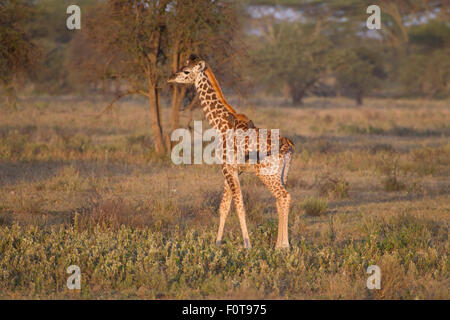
202,65
192,60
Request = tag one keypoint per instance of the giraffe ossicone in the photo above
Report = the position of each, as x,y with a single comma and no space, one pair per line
278,150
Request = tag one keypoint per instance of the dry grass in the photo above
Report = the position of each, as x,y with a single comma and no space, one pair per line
86,191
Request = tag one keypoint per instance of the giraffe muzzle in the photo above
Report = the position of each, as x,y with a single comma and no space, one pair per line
172,78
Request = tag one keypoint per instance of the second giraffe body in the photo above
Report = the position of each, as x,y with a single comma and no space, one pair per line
223,117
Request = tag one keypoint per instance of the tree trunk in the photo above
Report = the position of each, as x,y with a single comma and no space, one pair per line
297,97
359,98
156,119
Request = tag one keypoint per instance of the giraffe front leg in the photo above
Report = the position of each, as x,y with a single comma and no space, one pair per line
224,209
231,176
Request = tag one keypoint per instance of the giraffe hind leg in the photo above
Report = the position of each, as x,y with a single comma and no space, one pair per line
283,200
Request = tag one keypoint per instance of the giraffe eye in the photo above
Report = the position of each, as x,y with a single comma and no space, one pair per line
186,72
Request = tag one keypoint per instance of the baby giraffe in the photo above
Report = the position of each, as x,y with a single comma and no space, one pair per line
223,117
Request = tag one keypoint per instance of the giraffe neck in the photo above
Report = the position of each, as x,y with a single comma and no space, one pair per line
216,109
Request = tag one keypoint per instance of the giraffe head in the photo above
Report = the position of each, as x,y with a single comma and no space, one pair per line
188,73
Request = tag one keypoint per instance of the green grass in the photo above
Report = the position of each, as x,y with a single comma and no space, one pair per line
144,262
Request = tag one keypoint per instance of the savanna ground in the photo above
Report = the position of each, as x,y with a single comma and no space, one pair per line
369,185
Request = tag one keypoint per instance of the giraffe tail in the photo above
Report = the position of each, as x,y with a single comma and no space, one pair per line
287,147
285,169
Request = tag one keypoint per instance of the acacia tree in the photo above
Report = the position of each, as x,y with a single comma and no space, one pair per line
47,27
18,54
358,71
426,71
295,56
128,35
140,43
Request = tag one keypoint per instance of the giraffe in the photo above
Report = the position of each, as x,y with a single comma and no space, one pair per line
223,117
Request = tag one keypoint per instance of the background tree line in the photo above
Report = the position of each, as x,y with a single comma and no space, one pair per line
291,48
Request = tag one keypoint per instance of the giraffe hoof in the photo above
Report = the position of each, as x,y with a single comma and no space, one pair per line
218,243
247,244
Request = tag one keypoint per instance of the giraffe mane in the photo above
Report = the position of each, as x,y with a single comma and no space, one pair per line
218,90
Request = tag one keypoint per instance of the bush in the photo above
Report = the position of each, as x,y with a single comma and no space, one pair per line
391,183
315,206
334,187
